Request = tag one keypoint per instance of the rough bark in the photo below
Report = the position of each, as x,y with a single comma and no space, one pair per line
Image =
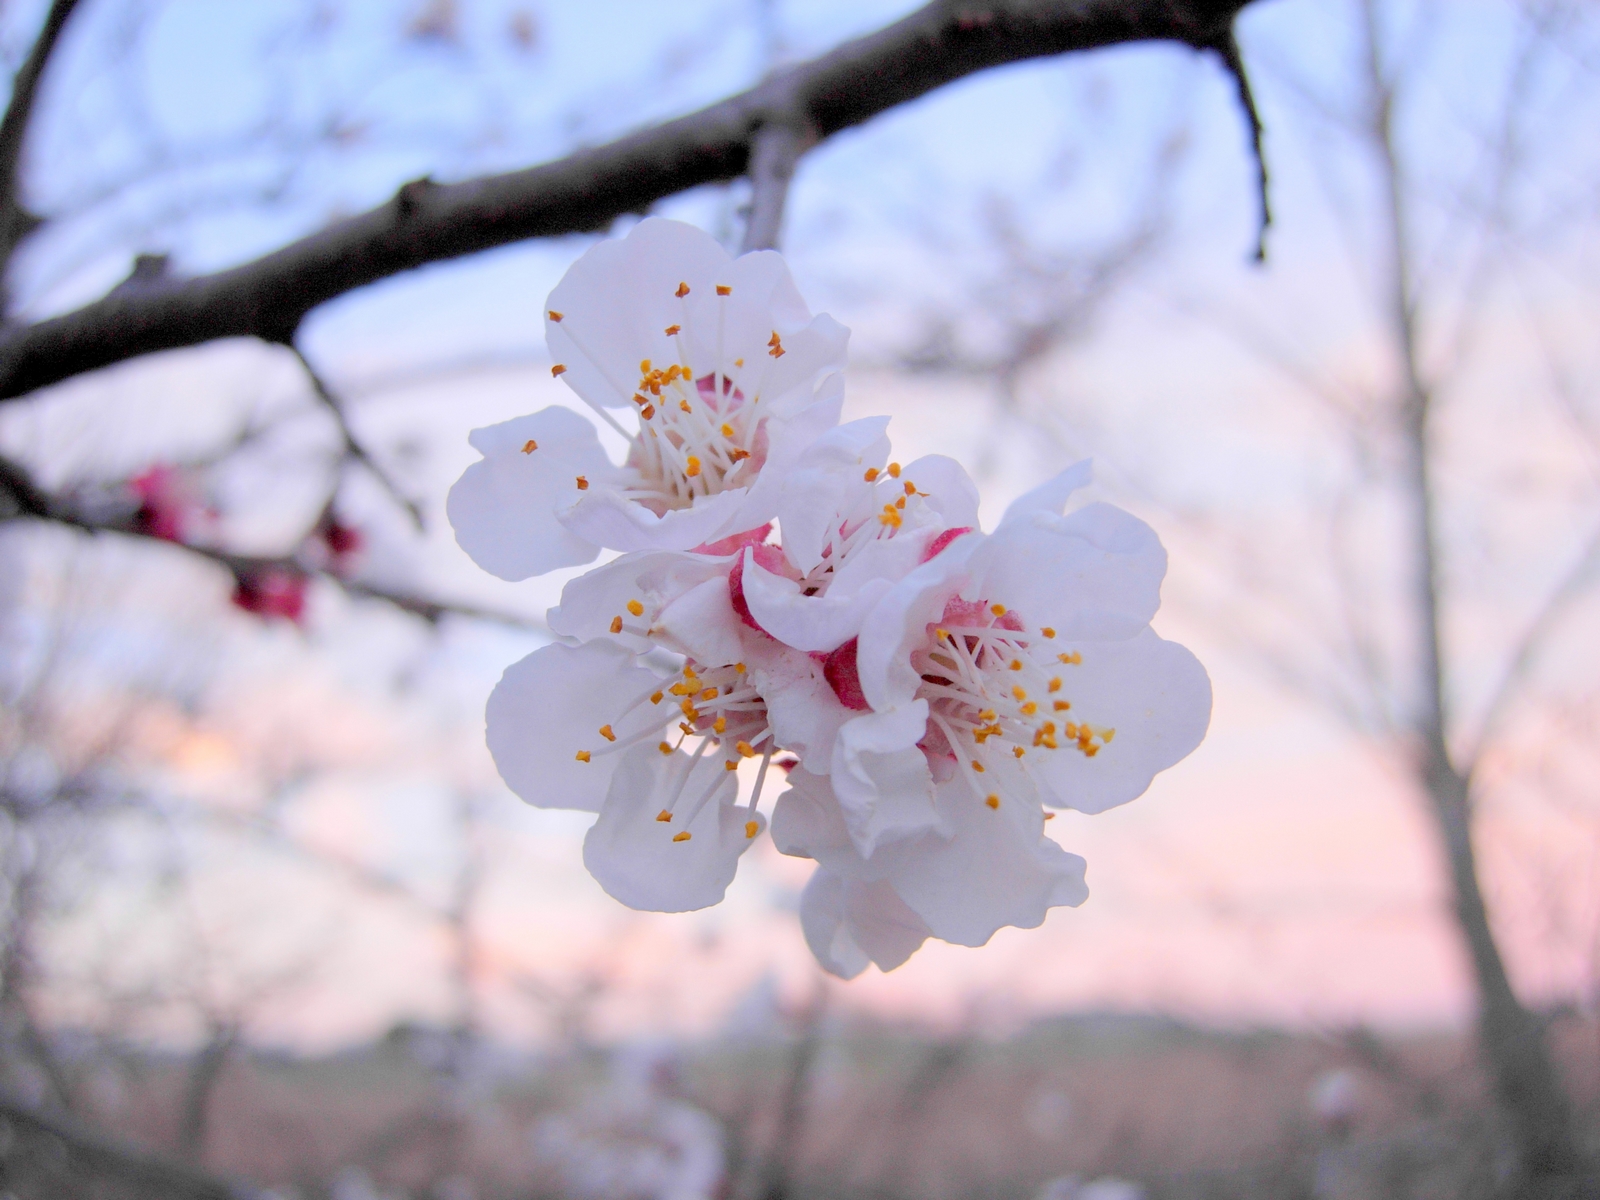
429,222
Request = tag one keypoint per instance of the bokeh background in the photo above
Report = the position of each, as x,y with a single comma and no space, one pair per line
269,910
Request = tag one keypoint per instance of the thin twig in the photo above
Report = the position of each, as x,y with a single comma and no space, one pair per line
352,447
774,153
1227,48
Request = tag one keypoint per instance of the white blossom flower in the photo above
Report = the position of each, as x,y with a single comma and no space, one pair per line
978,871
728,377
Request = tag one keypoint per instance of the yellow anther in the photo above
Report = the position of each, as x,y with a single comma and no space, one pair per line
890,517
1020,693
681,836
1107,734
655,697
980,736
605,732
663,747
911,488
745,748
730,765
998,610
529,446
680,689
720,725
894,470
977,766
738,668
693,468
644,366
872,474
583,484
558,369
900,503
1063,705
1018,751
993,800
1055,684
688,729
1048,632
582,756
774,339
738,362
738,455
648,411
555,316
684,404
663,815
673,330
1074,658
709,694
942,634
1016,664
724,290
636,608
988,714
1029,709
616,624
688,708
727,430
1088,750
1070,729
683,290
751,828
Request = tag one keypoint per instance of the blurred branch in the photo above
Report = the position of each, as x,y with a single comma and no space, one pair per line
1528,647
21,497
428,221
16,222
352,448
147,1173
774,153
1227,49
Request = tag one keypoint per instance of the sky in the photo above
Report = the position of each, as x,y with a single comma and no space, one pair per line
1284,873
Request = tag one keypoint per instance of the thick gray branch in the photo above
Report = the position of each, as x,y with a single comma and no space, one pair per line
427,222
16,222
773,157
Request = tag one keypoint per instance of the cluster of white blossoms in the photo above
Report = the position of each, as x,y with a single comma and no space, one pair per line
925,691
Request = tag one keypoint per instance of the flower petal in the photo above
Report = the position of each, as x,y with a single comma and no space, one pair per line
848,924
804,712
653,579
503,508
881,778
647,863
787,439
701,623
1095,573
608,517
995,869
1154,694
551,705
813,623
899,624
950,490
1051,496
821,480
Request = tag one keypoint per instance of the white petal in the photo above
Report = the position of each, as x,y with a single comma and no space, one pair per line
551,705
996,869
808,623
899,624
821,481
503,508
1153,693
1095,573
787,438
804,713
950,490
633,855
848,924
882,780
822,921
654,579
607,517
701,624
1051,496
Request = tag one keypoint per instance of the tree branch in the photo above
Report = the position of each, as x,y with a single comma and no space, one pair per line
352,448
774,154
149,1174
428,222
16,222
1227,49
21,497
